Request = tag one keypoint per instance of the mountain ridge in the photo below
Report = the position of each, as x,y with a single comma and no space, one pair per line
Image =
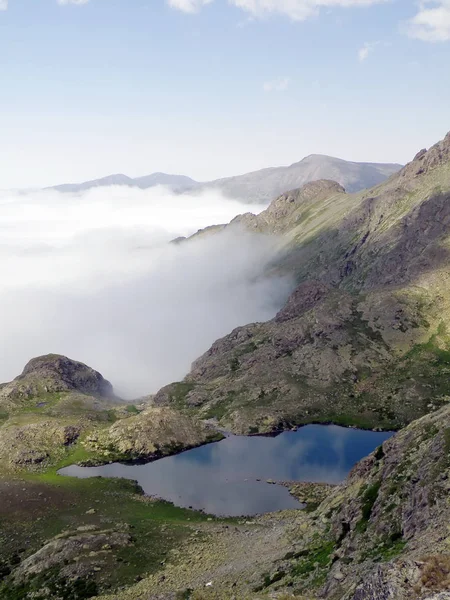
364,338
178,183
257,186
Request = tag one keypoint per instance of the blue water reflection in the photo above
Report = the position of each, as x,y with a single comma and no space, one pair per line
221,478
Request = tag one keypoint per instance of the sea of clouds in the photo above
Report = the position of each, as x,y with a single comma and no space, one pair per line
94,277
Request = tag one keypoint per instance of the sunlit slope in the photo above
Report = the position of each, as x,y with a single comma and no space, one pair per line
365,337
266,184
60,410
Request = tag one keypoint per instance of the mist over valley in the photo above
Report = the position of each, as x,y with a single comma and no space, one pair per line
94,276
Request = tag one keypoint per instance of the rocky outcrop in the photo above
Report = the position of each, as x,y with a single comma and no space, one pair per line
75,553
395,504
427,160
45,410
305,297
290,209
31,444
54,373
57,404
154,433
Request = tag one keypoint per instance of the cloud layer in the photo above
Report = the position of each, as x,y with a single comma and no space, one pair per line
277,85
298,10
189,6
432,22
93,277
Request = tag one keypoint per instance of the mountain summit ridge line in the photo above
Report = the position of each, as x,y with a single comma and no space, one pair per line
257,186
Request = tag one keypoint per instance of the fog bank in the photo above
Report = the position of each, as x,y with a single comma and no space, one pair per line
93,277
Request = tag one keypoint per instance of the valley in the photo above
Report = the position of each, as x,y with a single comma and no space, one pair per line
362,342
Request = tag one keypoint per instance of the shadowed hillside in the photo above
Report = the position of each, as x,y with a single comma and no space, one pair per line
365,337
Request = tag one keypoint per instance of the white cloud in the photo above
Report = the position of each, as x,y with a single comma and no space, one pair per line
4,3
92,276
188,6
277,85
367,48
297,10
432,22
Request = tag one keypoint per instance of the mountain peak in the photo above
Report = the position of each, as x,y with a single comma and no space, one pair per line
426,160
56,373
319,157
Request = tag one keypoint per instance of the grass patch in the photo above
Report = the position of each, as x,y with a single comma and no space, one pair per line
436,349
379,453
234,364
179,391
317,558
350,419
155,527
50,585
270,580
369,496
222,406
392,549
245,349
41,403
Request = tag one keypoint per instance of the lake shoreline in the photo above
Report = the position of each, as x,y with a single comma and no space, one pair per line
230,477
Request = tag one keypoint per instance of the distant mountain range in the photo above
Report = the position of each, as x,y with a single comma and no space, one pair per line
178,183
258,186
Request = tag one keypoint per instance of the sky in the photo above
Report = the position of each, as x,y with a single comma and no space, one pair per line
210,88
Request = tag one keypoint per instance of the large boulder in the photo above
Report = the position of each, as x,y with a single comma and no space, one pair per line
154,433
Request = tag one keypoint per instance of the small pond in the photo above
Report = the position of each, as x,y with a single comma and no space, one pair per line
230,477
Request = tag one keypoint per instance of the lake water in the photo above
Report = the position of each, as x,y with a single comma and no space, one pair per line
222,478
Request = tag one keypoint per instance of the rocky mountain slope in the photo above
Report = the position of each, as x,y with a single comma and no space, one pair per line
259,186
264,185
364,339
58,406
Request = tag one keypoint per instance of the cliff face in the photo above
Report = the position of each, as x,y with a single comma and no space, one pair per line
390,520
364,339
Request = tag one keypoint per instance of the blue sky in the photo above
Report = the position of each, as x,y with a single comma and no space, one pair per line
215,88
